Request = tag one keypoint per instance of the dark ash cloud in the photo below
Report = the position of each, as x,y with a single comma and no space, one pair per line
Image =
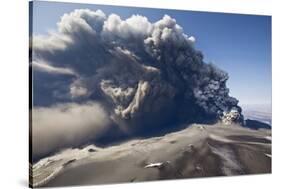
145,75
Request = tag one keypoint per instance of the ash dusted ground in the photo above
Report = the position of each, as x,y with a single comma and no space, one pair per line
197,151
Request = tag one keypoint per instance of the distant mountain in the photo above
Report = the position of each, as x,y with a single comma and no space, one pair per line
258,112
254,124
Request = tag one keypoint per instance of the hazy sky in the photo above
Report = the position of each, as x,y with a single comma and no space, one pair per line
239,44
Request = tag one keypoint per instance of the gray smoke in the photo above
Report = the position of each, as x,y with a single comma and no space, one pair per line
65,125
145,75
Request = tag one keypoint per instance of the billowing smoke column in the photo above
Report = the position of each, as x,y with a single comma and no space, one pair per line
146,75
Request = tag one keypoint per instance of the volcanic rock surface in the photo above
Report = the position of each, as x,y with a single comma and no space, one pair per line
197,151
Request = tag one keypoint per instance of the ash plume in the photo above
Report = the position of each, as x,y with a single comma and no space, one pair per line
145,75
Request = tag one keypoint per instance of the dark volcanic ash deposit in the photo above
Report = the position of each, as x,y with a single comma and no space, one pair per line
198,151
